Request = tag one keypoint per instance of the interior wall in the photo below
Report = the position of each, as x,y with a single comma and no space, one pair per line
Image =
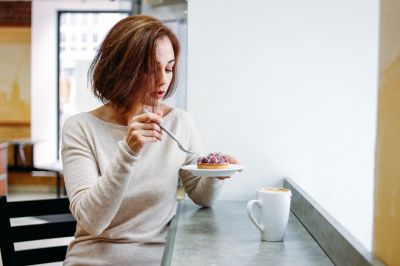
290,88
387,181
15,74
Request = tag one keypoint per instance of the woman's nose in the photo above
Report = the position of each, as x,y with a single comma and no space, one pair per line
163,78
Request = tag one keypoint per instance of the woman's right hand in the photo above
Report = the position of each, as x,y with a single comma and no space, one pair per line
144,129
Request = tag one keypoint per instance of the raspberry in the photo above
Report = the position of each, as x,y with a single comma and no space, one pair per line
213,158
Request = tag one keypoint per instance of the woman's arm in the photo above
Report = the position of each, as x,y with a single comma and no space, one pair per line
94,199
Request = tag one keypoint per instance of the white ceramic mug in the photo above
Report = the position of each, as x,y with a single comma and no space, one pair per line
273,212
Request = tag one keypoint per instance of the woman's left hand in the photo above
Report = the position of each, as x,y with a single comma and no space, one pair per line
232,160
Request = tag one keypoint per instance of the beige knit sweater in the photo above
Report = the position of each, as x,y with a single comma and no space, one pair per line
124,201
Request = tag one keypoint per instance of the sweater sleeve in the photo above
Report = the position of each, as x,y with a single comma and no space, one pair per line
202,190
94,199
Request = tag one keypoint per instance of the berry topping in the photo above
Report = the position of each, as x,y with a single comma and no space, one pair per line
213,158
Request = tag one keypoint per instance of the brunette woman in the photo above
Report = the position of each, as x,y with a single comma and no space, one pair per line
121,171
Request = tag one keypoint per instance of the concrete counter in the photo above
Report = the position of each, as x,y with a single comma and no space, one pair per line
224,235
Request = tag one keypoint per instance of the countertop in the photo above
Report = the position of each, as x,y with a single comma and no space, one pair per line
224,235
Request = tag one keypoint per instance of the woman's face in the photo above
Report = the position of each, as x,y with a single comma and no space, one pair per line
165,60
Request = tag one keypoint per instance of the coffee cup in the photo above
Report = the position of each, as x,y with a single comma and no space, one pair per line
273,207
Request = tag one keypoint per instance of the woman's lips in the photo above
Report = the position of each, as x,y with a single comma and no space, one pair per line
159,94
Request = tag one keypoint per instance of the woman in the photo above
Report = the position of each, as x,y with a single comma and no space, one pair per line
121,171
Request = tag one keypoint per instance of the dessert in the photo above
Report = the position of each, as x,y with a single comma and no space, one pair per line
214,160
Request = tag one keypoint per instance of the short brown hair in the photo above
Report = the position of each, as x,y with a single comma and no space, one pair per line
125,69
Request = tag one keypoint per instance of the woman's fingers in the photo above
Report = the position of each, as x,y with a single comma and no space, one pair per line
232,159
223,177
151,134
146,126
143,129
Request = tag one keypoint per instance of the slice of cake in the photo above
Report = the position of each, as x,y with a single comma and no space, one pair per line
214,160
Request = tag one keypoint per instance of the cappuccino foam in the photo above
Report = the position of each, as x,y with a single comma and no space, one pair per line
273,189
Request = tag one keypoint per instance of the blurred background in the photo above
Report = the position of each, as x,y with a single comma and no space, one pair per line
307,90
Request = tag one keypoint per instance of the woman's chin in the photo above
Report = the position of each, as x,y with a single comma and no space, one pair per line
153,101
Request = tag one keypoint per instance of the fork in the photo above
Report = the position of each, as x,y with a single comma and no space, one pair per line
172,136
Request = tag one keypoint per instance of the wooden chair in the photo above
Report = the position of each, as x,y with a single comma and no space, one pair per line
12,234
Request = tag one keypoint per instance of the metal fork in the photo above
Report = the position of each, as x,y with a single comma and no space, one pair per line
172,136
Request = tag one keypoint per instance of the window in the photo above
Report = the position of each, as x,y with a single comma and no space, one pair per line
75,56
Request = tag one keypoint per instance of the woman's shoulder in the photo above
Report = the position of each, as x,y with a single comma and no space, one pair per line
181,119
78,125
76,120
179,114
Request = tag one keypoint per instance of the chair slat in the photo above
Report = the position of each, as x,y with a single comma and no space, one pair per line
62,225
38,207
41,255
43,231
6,245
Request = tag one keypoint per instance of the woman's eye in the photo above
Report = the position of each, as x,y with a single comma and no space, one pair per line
168,70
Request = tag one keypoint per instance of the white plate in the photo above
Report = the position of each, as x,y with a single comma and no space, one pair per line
233,168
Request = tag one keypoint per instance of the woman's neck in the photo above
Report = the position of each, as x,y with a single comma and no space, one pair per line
110,114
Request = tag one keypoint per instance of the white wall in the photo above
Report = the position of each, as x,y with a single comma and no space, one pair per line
44,70
290,88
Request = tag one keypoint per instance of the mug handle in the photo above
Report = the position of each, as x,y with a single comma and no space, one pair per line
251,215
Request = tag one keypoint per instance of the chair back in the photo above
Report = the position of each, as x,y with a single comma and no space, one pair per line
35,208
